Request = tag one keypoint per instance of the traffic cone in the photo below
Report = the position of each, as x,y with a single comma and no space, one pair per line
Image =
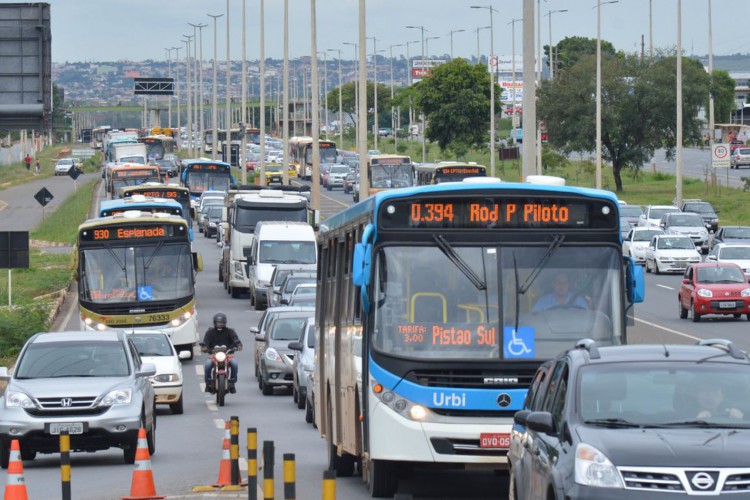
225,466
142,487
15,486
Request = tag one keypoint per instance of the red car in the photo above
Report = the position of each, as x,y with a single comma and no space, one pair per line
714,288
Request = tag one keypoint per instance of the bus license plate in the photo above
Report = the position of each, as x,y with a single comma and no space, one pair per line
726,305
492,440
71,427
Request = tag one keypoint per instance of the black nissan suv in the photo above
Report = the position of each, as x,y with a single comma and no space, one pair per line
637,421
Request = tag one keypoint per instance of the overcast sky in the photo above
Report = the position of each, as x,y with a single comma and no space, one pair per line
107,30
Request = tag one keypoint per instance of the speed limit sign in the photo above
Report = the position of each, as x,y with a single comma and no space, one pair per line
720,156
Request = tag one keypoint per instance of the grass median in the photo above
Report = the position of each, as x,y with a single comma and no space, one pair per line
36,289
16,173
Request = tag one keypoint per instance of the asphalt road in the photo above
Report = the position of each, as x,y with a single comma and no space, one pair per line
189,445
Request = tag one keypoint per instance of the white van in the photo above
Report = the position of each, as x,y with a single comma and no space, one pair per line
273,243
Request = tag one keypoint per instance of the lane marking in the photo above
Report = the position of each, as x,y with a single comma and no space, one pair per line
212,407
669,330
665,286
243,463
198,370
3,205
69,315
219,423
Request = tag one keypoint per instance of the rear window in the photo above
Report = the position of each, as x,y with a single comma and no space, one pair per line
73,359
744,151
287,329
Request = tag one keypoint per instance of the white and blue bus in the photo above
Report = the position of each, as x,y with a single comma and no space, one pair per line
436,305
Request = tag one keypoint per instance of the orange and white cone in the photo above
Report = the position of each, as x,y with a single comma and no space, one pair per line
15,486
142,487
225,466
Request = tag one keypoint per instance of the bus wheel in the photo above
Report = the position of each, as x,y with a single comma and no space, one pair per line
382,478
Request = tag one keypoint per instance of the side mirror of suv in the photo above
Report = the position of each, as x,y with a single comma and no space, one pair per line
295,346
147,370
541,421
521,417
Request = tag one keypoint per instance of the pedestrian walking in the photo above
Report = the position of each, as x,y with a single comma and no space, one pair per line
27,160
37,168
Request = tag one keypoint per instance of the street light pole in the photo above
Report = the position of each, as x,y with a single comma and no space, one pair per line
356,95
177,90
394,124
551,51
364,181
678,169
409,78
711,117
537,128
479,54
513,71
243,100
262,94
200,80
285,163
191,149
529,91
493,76
228,101
169,102
215,109
599,90
423,67
451,35
375,127
650,31
341,111
315,105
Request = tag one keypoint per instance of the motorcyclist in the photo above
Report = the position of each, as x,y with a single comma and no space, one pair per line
220,334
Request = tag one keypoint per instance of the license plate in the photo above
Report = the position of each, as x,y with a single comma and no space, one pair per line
71,427
492,440
726,305
680,264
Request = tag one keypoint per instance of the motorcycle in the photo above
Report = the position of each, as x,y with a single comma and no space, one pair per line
220,358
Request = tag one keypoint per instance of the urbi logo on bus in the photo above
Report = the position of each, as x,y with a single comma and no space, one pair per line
518,343
449,400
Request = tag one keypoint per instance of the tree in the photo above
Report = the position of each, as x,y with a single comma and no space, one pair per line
348,100
638,108
722,88
570,50
456,103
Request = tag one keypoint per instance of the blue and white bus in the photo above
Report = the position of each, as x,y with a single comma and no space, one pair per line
436,305
206,175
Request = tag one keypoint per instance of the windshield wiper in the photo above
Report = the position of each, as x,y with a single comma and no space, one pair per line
556,242
456,259
703,423
613,422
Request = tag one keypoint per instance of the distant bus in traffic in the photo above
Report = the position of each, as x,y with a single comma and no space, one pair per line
448,171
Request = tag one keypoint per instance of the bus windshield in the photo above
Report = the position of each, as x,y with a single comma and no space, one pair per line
136,274
140,160
561,295
327,155
391,176
207,181
130,181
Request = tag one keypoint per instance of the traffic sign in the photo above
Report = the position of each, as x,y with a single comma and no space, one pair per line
14,250
43,196
720,156
73,172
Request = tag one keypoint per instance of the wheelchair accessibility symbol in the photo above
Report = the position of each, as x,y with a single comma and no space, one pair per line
145,293
518,343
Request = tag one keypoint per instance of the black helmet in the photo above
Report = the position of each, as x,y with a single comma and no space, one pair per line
220,320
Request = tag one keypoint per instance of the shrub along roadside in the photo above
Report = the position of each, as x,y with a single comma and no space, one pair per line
34,290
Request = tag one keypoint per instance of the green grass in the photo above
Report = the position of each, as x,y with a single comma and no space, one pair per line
16,173
62,225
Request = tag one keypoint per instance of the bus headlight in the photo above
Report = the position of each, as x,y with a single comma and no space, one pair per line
94,325
418,412
400,405
181,319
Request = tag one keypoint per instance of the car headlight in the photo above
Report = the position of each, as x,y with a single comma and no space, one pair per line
593,468
14,399
704,292
665,259
272,355
117,397
167,377
746,292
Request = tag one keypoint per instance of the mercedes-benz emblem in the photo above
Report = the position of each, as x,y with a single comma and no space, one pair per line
66,402
503,400
702,481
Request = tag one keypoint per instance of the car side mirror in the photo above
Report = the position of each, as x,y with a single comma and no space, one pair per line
147,370
184,354
260,338
521,417
711,257
685,281
285,301
4,373
254,330
295,346
541,421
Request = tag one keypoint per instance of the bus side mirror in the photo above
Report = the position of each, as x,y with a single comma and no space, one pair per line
636,285
74,263
197,262
361,264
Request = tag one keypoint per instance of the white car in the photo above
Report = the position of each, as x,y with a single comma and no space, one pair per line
737,254
156,347
686,224
636,242
668,253
652,215
63,166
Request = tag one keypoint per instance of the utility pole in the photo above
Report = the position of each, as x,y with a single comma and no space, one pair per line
215,108
375,127
315,105
285,173
243,99
364,180
262,94
191,143
228,117
529,93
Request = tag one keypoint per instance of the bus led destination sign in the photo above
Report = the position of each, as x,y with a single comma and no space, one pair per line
493,213
110,233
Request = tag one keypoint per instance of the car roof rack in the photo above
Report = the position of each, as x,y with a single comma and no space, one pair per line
590,346
727,345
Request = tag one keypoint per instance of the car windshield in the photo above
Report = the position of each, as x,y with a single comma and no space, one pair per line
73,359
303,300
287,252
340,170
149,344
675,244
165,164
658,213
304,290
144,273
569,294
737,232
646,235
720,274
734,253
65,162
274,168
292,283
743,151
665,394
630,211
701,208
214,212
685,220
287,329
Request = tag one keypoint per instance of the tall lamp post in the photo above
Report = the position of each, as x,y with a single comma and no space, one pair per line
228,100
199,96
513,71
477,31
375,127
424,144
285,163
169,102
493,81
177,89
551,51
678,156
214,107
191,145
242,160
599,4
410,70
427,44
711,117
356,93
364,181
394,121
325,93
341,112
450,33
315,105
262,92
